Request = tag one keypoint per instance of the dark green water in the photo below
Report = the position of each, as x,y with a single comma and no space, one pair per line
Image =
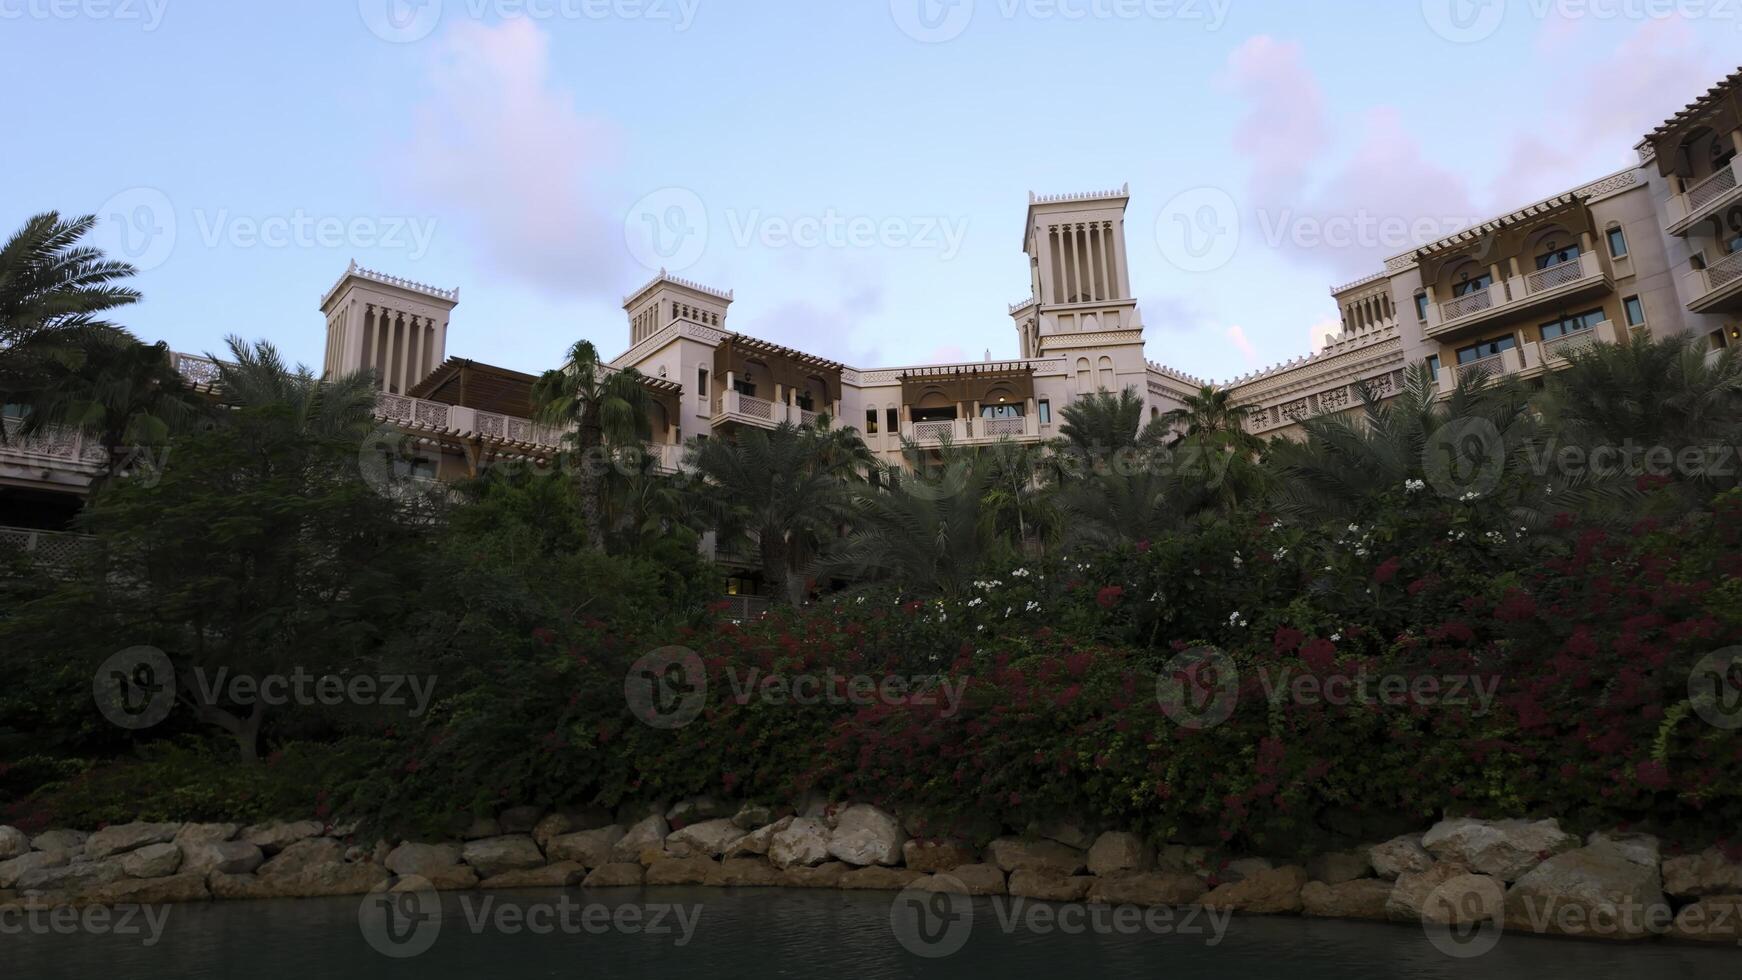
779,933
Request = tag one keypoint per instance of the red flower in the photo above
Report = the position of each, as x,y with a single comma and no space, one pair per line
1319,654
1387,570
1109,597
1652,775
1143,546
1287,638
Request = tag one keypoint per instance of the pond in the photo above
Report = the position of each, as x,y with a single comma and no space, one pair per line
693,932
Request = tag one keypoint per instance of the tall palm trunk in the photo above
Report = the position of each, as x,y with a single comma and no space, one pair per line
590,485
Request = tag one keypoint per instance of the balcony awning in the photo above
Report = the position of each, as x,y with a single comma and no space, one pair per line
1720,109
968,382
1498,239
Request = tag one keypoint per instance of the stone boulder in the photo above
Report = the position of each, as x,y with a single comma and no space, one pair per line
168,890
969,879
302,855
1638,848
865,835
825,875
1067,832
13,843
519,819
1183,859
1399,856
206,833
1337,868
1046,886
681,871
709,838
71,877
70,841
751,816
18,867
646,835
279,834
879,879
755,843
1706,873
1266,892
696,809
451,878
232,857
500,855
1019,854
1592,892
1505,849
933,856
1147,888
1442,893
319,881
152,861
617,874
1714,919
550,827
1363,898
1116,851
590,848
745,873
481,828
1240,869
122,838
421,859
804,842
559,875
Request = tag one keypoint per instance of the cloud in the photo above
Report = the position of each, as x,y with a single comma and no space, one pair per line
501,149
1237,336
1286,126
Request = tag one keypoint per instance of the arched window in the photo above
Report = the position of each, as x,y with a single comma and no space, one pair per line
1108,379
1085,377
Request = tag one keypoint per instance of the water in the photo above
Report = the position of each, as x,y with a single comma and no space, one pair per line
820,935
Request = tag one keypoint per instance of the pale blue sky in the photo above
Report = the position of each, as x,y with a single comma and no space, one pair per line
509,150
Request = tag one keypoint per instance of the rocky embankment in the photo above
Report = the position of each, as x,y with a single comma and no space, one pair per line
1528,876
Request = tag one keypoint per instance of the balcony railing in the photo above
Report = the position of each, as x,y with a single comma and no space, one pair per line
1696,203
742,608
466,421
1519,294
54,448
1555,276
1467,304
1533,357
1717,286
974,431
52,548
734,406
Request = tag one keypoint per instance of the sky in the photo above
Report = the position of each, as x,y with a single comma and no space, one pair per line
856,171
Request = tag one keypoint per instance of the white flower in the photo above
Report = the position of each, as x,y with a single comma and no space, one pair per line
1336,637
973,602
1234,617
1354,528
1019,573
1280,554
1412,486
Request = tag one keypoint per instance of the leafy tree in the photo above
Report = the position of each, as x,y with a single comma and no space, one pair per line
53,292
599,410
1104,422
1210,417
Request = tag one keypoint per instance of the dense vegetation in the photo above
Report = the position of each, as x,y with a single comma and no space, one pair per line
1052,607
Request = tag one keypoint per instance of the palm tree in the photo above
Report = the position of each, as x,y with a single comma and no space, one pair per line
256,376
783,489
1104,422
599,410
52,292
1210,417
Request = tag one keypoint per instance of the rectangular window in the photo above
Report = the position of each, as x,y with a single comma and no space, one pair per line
1421,306
744,388
1044,409
1617,243
1487,348
1635,311
1433,364
871,421
1475,285
702,382
1571,324
1559,256
892,419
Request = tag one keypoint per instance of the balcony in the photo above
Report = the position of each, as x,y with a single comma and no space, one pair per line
1533,358
1520,294
734,406
1716,288
51,549
64,457
460,420
973,432
1702,200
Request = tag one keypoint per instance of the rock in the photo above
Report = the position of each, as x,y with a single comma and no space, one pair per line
696,809
648,834
1181,859
421,859
1047,886
71,877
1399,856
1714,919
1505,849
559,875
1147,888
1415,893
1240,869
1339,867
1066,832
128,837
1363,898
1595,892
745,872
1116,851
1638,848
969,879
710,838
825,875
452,878
232,857
278,835
590,848
519,819
751,816
804,842
618,874
206,833
168,890
630,814
11,871
70,841
1264,892
1706,873
755,843
302,855
551,826
1017,854
879,879
681,871
933,856
593,817
152,861
500,855
482,828
319,881
13,843
865,835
